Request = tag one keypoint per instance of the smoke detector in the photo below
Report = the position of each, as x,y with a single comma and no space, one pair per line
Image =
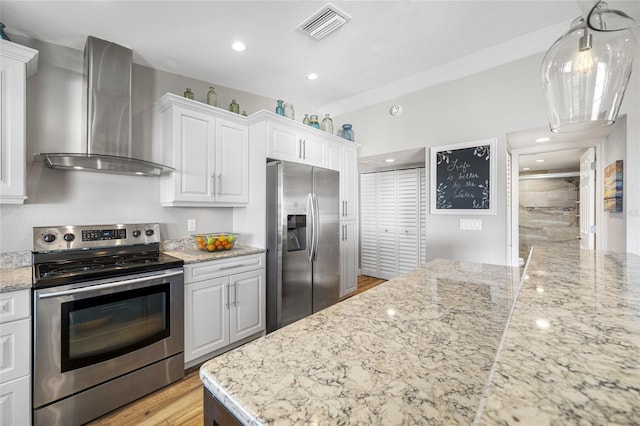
325,21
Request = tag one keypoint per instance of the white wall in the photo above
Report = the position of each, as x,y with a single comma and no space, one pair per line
488,104
631,106
615,148
54,108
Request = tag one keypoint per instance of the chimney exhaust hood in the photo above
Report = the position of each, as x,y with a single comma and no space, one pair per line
107,145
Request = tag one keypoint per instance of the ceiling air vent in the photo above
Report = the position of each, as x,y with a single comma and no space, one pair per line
325,21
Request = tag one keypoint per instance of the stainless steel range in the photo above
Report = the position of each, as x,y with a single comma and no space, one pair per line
108,319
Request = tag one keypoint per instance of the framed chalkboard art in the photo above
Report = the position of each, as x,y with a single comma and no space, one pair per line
462,178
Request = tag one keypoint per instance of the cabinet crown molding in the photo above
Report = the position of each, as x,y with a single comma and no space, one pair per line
20,53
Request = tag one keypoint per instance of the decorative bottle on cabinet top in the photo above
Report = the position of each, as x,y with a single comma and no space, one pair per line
234,106
188,94
288,111
280,108
347,132
212,97
306,120
327,124
313,122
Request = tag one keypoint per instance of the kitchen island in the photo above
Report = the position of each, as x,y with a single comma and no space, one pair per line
442,345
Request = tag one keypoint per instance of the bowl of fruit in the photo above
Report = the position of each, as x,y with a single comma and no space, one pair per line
216,241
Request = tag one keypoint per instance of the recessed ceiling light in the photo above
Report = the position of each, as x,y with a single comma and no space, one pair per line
78,167
389,160
543,139
312,76
238,46
540,161
526,168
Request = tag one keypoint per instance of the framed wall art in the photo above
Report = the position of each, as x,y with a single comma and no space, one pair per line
613,187
462,178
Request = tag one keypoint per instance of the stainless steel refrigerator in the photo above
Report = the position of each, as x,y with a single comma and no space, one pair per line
303,247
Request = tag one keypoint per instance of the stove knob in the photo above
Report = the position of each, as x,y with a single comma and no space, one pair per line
49,238
136,233
148,232
69,237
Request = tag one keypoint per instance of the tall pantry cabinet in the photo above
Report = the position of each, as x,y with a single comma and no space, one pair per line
393,221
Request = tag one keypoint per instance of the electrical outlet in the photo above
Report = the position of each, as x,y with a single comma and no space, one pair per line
471,224
191,225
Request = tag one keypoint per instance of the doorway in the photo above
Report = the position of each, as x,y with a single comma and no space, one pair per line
562,180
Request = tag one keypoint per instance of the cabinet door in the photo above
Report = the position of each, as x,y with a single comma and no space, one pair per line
349,184
247,310
194,137
206,323
15,402
13,75
313,149
15,348
348,258
231,162
284,144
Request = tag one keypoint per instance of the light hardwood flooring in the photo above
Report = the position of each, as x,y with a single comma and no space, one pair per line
179,404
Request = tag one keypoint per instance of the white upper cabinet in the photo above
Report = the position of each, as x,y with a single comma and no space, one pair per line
208,147
17,63
291,142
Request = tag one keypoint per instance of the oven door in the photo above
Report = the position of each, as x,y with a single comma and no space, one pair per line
89,333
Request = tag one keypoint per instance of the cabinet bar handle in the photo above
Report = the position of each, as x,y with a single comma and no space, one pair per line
235,294
220,185
228,302
304,149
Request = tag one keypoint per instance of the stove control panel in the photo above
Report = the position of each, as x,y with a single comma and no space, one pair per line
103,234
49,238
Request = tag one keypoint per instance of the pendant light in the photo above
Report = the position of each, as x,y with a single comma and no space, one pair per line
612,15
584,76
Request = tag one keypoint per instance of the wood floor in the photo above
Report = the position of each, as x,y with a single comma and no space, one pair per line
181,403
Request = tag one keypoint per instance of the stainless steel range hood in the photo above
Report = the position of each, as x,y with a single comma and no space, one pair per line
107,144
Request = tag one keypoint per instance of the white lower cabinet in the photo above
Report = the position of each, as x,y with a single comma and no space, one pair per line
15,358
224,304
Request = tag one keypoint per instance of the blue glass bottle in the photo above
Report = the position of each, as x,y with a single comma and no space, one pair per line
280,108
347,132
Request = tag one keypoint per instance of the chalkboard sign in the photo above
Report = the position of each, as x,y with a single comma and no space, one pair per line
462,177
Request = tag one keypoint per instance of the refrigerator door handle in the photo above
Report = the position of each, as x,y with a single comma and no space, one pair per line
316,225
311,233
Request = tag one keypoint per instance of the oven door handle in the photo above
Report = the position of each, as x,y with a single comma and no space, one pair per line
108,285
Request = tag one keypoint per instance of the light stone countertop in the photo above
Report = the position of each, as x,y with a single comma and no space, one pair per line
16,271
193,255
440,346
414,350
13,279
571,354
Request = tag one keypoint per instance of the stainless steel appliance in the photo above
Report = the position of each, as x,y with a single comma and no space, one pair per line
107,145
108,319
303,256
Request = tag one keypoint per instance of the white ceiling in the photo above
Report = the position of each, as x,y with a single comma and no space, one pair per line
389,48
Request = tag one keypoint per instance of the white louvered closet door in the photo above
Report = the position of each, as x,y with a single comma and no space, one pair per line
369,224
407,219
423,216
387,241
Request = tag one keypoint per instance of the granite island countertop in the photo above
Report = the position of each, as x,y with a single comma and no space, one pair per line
442,345
416,349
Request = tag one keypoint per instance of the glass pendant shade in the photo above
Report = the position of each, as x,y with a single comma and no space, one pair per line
584,77
611,15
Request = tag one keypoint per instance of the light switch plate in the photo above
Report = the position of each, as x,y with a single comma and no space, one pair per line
471,224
